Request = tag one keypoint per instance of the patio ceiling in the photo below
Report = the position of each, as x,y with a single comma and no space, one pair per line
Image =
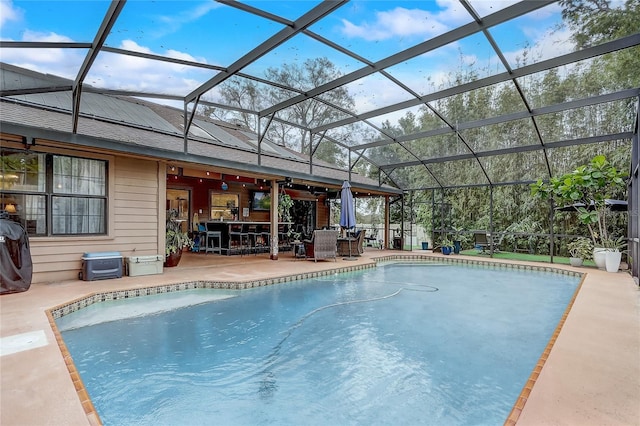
388,78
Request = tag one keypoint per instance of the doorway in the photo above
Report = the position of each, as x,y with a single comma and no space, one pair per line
180,200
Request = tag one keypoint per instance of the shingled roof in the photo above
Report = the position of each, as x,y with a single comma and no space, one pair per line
136,126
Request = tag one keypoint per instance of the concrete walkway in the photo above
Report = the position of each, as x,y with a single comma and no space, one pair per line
591,375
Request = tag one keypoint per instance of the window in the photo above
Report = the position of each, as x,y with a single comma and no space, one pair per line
54,194
223,206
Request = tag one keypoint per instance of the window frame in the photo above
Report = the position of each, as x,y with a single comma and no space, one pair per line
49,193
217,211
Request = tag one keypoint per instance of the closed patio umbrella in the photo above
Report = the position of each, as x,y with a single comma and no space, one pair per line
347,212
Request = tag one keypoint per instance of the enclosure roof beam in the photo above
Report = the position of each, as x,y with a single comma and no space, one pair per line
499,17
602,49
565,106
321,10
513,150
101,35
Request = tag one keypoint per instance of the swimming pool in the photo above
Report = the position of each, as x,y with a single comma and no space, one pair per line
398,344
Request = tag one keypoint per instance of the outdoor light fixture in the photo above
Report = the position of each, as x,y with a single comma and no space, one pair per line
224,186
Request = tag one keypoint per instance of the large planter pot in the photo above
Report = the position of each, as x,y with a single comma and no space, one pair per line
446,250
173,259
575,261
599,257
457,245
425,245
612,260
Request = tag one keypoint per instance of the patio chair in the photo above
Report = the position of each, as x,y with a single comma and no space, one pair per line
371,240
484,241
322,245
356,243
480,242
361,237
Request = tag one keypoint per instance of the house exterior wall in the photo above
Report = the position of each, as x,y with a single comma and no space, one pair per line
136,217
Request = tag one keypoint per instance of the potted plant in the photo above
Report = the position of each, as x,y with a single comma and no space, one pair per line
285,203
579,250
586,189
613,253
457,239
446,245
175,240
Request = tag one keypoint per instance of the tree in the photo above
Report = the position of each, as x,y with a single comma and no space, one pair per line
248,95
594,22
587,185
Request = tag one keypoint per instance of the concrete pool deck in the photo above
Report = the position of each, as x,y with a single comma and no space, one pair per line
591,375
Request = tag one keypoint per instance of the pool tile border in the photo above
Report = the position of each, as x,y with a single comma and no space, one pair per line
85,301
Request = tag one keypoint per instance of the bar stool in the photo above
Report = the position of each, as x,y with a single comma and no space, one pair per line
283,236
265,233
245,237
252,237
214,242
235,237
200,237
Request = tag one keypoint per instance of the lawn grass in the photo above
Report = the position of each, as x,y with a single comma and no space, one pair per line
527,257
522,256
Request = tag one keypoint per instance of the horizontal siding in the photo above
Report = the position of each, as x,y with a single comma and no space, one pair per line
134,202
124,234
55,276
146,226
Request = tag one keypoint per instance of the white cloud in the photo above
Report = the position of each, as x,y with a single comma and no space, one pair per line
111,70
8,12
172,23
60,62
487,7
140,74
46,37
546,44
452,12
399,22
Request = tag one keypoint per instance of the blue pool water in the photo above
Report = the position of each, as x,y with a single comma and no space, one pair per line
398,344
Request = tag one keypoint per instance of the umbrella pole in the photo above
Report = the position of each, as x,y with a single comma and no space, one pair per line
350,256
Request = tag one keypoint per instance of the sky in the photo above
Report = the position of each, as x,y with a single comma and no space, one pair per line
216,34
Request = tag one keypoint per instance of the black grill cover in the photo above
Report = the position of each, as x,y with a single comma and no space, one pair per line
15,258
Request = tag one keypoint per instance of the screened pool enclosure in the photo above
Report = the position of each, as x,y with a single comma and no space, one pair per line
460,104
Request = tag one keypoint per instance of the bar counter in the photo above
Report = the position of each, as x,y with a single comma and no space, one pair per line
227,227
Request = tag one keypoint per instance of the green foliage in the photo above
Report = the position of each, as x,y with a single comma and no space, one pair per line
285,203
617,244
581,247
248,95
596,21
528,225
446,242
590,183
175,239
457,232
